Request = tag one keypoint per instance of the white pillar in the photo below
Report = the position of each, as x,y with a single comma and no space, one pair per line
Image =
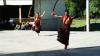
87,16
20,16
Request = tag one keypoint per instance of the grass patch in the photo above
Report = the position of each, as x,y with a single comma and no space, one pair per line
95,20
82,22
78,23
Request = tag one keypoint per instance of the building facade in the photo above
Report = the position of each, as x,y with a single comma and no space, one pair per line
48,22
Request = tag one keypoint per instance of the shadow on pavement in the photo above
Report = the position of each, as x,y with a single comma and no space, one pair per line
95,27
87,51
49,35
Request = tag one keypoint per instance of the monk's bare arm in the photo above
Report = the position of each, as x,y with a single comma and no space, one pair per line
30,17
57,16
43,14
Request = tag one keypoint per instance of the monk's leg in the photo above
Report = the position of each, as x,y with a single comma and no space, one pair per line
66,39
65,47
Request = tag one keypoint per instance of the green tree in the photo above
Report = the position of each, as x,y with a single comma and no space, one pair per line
94,8
71,7
76,7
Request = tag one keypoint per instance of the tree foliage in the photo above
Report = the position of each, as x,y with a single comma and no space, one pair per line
94,8
78,7
75,7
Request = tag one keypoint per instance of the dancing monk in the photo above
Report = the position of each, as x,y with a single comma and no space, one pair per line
64,30
37,21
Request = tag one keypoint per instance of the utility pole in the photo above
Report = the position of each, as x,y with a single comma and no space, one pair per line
87,16
20,17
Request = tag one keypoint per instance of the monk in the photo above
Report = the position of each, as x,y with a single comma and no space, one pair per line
64,29
37,22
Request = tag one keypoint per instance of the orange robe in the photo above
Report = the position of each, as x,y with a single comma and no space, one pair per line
37,26
64,30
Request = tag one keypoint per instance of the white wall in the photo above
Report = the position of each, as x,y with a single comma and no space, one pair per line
1,2
19,2
49,22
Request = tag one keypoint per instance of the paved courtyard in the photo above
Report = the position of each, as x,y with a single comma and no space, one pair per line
28,43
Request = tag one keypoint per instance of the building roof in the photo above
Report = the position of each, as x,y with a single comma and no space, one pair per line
16,2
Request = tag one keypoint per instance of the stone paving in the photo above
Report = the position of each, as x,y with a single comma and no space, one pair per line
28,43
